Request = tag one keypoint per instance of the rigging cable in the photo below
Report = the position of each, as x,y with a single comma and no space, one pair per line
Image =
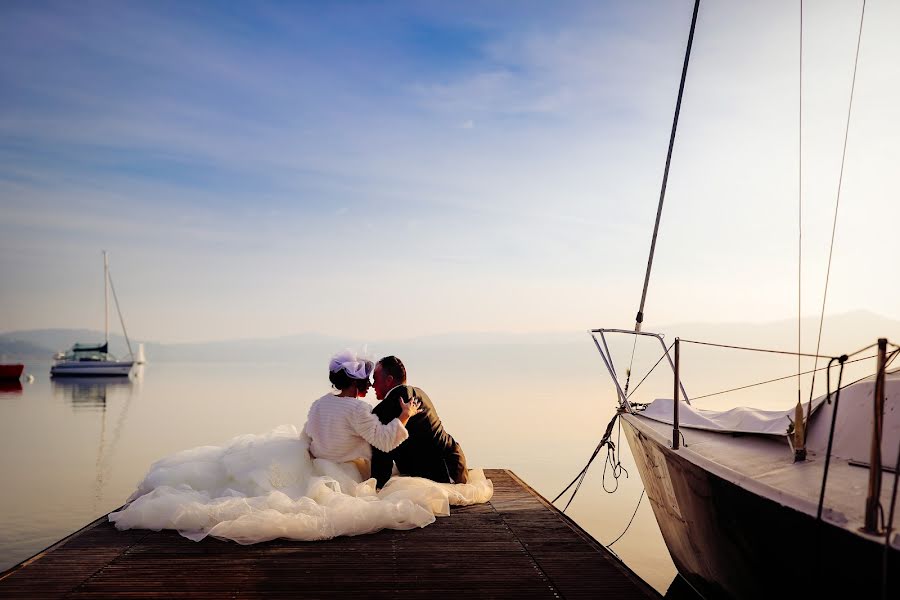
662,192
684,341
800,207
653,368
617,466
744,387
119,310
639,318
837,202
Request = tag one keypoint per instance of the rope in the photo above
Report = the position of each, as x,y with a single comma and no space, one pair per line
837,202
610,459
662,192
889,526
837,398
629,521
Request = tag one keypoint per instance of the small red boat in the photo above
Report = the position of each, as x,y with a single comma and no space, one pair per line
12,387
8,372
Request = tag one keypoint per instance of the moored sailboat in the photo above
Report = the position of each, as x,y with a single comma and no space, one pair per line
94,360
755,503
734,504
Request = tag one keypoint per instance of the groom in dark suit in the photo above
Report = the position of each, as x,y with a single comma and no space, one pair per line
429,451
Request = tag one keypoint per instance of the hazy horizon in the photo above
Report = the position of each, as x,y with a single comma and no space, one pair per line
789,324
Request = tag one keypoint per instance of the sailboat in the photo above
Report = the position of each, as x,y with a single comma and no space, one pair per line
779,504
94,360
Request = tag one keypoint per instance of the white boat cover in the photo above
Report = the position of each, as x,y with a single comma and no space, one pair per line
853,429
855,422
742,419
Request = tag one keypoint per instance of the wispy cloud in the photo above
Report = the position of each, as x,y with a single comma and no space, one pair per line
478,146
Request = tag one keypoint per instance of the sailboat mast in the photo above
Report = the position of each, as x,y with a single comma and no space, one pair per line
662,192
105,298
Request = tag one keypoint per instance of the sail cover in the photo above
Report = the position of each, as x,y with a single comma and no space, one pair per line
91,347
853,425
742,419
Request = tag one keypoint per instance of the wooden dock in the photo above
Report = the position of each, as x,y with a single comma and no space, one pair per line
516,546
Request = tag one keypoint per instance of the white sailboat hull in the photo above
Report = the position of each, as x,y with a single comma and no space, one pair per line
731,538
103,368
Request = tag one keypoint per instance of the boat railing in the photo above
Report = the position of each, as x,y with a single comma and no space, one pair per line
623,394
606,355
873,508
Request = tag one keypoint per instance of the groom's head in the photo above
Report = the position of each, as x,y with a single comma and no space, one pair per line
389,373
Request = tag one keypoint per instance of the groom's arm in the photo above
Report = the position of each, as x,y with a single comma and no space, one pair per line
382,467
456,463
382,462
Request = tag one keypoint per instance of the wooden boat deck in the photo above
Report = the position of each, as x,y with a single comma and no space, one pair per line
515,546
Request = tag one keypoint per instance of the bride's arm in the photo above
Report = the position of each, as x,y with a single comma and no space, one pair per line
385,437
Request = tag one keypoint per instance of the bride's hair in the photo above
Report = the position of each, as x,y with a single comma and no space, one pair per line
341,380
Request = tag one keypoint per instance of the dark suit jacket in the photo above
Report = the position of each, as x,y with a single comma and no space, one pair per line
429,451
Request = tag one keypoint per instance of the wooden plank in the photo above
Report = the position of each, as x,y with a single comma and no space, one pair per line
518,545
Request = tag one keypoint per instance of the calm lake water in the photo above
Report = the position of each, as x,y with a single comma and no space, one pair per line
74,450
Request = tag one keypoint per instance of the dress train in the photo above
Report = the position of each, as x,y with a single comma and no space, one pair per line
263,487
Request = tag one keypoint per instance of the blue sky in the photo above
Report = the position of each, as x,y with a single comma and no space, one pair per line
395,169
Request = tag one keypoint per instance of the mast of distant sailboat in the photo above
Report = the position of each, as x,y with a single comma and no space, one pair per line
106,300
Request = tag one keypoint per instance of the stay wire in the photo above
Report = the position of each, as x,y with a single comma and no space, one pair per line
744,387
800,208
787,352
666,353
837,202
119,310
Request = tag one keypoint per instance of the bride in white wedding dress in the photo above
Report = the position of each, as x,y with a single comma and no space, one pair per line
312,485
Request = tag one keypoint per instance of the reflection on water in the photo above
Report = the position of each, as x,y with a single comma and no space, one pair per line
10,387
72,450
90,393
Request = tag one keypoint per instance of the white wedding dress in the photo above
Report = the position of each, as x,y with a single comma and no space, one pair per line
262,487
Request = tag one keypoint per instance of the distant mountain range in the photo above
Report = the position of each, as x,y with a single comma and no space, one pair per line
842,333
